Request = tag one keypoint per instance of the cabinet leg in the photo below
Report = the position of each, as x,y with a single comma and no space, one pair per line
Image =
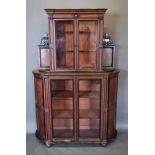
48,143
104,144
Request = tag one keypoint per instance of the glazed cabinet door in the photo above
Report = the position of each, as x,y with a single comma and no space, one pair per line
64,44
89,103
62,103
87,44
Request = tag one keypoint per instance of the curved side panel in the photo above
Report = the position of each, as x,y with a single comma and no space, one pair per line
39,108
112,107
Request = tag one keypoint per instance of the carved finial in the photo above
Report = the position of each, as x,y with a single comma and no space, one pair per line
45,40
107,40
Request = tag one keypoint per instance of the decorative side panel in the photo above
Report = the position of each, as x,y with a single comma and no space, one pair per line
39,108
47,109
112,92
104,102
112,107
111,123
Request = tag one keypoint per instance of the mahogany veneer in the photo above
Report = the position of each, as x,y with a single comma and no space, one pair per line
75,99
67,115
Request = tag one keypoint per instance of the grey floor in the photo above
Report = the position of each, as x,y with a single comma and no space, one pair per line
118,147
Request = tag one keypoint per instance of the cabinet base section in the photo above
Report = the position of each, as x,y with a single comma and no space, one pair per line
42,138
109,140
63,133
50,143
88,133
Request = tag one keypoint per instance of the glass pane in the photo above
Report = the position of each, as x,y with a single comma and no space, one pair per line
44,57
62,108
89,128
89,108
107,57
87,44
63,128
64,35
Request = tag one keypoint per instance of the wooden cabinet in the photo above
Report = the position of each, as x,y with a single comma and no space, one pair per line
75,99
76,107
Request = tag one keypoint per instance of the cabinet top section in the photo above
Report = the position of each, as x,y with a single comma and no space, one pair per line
98,10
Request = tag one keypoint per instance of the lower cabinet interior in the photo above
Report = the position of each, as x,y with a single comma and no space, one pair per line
62,128
62,99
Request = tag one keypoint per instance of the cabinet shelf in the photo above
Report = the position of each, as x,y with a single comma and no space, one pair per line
89,94
69,114
87,51
89,104
63,114
62,94
89,113
63,133
63,32
87,32
64,51
62,104
62,124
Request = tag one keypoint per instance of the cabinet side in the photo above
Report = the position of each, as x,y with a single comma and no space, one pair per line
39,107
112,101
